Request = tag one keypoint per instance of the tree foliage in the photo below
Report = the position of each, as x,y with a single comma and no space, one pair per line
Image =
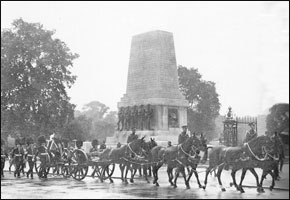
35,73
95,121
278,118
203,100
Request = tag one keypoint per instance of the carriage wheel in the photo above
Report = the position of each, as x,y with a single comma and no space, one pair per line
97,171
65,171
79,161
108,171
79,172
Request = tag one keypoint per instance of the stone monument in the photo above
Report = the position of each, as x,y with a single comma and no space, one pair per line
153,82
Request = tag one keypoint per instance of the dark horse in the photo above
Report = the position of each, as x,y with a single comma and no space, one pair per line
143,162
175,157
123,155
241,157
268,163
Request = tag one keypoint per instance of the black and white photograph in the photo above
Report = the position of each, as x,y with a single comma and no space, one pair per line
144,99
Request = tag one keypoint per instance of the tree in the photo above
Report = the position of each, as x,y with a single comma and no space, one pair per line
35,73
278,118
102,121
203,100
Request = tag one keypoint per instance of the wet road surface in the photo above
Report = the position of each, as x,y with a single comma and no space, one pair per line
59,187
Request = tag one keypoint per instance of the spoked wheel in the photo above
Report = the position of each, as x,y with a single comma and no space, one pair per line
65,171
97,171
108,171
79,165
42,167
79,172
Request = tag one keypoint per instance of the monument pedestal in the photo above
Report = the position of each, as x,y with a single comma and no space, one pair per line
152,82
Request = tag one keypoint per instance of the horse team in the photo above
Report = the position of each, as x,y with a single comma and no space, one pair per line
260,152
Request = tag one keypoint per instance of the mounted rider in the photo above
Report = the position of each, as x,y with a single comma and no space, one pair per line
132,136
251,134
183,136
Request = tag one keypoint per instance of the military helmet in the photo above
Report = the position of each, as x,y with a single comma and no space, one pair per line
29,141
41,139
18,141
79,143
95,142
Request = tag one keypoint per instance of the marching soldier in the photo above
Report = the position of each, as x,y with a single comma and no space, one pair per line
3,156
30,156
18,156
41,151
251,134
183,135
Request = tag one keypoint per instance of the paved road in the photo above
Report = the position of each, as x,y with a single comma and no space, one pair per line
58,187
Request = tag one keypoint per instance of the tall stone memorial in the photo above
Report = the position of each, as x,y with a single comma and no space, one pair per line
153,80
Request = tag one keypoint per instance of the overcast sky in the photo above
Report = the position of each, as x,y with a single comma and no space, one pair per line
241,46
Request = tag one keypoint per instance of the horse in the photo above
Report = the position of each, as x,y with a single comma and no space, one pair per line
142,162
175,157
239,157
122,156
269,163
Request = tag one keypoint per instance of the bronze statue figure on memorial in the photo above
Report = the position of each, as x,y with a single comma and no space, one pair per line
127,118
120,119
141,118
149,117
135,116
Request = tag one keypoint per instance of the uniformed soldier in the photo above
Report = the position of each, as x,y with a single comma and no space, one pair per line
30,156
95,144
132,136
251,134
42,153
183,135
3,156
18,156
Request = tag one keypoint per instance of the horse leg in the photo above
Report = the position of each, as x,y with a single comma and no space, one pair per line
197,178
126,172
176,176
170,177
206,175
259,187
220,169
133,172
273,180
185,180
233,173
244,171
145,173
157,184
121,166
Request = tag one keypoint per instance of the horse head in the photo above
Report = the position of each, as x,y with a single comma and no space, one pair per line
192,143
261,145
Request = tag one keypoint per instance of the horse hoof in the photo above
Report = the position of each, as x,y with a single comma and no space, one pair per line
223,189
187,187
271,188
175,186
231,184
242,191
201,187
131,181
157,184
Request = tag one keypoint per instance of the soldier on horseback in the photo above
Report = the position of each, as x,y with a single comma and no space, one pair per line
251,134
132,136
183,135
